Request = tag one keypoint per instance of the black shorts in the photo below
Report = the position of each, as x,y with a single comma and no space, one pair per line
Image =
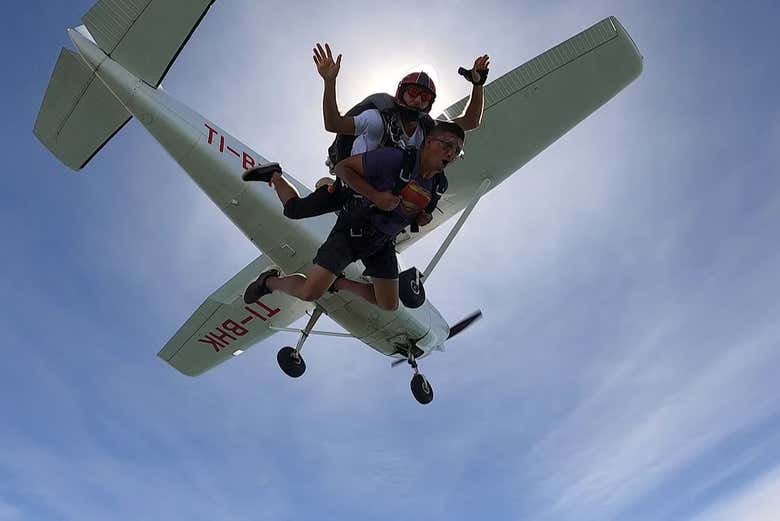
376,250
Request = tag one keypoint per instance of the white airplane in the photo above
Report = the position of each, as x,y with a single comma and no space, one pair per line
125,48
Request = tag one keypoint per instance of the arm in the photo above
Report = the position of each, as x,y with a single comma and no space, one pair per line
329,70
472,117
351,171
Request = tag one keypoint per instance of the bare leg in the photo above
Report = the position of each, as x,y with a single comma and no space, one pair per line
382,293
361,289
308,288
386,292
284,189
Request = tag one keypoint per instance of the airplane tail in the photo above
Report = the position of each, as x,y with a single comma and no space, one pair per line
79,114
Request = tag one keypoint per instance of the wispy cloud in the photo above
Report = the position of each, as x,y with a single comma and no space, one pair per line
758,501
612,451
628,276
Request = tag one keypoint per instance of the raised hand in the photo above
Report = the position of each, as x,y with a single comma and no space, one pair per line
480,71
326,67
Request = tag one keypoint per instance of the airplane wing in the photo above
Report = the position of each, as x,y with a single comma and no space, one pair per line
145,36
223,326
530,107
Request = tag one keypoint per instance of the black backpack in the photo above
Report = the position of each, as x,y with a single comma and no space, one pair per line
385,104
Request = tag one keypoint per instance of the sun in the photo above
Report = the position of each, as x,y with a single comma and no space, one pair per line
385,78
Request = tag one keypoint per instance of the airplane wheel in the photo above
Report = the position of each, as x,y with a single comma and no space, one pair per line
291,362
411,293
421,389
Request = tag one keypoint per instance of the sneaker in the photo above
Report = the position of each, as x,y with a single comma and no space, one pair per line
261,173
258,289
324,181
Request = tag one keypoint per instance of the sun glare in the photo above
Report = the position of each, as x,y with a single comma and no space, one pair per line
385,78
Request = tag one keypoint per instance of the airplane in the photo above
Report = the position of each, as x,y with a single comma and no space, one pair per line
124,50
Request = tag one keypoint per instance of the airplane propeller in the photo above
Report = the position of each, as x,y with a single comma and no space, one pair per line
454,330
463,324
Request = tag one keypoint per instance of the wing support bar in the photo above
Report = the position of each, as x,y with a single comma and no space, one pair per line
455,229
308,330
322,333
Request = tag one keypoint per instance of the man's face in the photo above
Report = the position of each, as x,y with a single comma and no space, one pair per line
417,97
444,149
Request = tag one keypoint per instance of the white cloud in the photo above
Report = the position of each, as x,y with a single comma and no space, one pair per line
758,500
670,392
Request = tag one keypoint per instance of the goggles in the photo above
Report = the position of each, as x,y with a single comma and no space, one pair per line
414,90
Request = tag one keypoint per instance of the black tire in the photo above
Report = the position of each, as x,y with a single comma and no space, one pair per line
421,389
291,362
411,294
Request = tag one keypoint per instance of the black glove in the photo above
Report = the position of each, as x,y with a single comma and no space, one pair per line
467,73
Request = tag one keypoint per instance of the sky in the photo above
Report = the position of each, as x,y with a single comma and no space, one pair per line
626,366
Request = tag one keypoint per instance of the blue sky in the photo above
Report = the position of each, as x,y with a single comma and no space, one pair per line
626,367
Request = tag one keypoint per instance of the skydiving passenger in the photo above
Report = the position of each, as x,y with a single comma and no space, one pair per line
381,120
366,228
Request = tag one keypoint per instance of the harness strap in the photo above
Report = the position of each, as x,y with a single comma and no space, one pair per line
357,215
408,163
437,190
440,186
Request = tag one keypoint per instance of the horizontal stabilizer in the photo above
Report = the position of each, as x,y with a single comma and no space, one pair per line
223,326
145,36
78,114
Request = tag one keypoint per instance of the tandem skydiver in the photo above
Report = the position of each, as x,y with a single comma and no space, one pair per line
381,120
367,227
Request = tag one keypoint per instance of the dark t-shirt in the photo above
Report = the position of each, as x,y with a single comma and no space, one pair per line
381,168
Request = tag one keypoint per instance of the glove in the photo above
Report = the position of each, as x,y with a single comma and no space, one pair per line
469,75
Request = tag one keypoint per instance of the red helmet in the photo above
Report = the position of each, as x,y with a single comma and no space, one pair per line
422,80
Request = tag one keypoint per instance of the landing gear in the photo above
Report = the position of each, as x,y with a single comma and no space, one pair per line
410,288
421,387
289,358
291,362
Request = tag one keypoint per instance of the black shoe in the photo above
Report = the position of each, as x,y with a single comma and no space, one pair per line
261,173
257,289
